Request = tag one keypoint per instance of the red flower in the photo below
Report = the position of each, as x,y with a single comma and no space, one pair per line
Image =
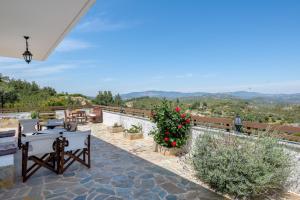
167,132
166,139
173,144
183,115
177,109
179,126
187,121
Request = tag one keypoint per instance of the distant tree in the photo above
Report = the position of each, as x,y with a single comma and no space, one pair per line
104,98
49,90
118,100
7,94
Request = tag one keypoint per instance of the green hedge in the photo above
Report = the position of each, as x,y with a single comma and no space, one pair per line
240,167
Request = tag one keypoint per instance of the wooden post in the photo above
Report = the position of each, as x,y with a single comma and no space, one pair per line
89,151
24,160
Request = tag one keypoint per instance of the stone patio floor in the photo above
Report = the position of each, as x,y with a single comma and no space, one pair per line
121,169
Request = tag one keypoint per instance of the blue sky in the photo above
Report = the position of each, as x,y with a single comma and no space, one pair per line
212,46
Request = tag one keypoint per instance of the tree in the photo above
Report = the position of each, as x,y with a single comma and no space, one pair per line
7,94
104,98
118,100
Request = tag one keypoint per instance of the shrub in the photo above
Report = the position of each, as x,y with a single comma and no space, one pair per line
34,115
241,167
134,129
173,125
297,134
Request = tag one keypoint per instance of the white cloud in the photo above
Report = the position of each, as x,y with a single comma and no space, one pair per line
25,71
72,45
101,24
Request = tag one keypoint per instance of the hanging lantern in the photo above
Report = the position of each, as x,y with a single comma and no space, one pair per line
27,54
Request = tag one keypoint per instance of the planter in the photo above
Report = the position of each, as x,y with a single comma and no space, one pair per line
116,129
174,151
133,136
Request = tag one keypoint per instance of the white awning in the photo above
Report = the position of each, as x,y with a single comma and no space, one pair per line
46,22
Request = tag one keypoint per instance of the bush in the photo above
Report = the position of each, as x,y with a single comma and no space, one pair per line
34,115
134,129
240,167
173,125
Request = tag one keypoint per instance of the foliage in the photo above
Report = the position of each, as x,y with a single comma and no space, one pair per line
106,99
240,167
297,134
173,125
118,100
34,115
23,94
134,129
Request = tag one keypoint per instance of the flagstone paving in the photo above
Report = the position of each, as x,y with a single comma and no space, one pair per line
121,169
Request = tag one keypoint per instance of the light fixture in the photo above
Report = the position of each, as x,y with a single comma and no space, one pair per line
27,54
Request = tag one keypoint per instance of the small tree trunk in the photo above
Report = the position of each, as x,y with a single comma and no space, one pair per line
2,101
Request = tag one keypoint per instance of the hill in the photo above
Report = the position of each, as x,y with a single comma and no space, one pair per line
267,98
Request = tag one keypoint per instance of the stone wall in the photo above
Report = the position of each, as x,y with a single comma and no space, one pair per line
110,118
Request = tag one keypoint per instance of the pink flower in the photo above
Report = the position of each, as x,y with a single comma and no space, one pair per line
179,126
166,139
183,115
177,109
187,121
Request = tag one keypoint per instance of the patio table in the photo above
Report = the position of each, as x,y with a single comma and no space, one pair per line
51,131
51,125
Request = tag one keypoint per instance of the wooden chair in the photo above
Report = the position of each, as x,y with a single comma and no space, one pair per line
27,127
74,146
96,115
80,116
68,116
33,146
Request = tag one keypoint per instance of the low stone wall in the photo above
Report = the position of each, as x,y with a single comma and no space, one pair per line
110,118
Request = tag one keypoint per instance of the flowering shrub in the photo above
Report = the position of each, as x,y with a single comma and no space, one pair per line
173,125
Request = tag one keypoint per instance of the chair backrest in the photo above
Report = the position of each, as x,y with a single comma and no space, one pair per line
40,144
97,111
81,113
28,125
76,140
67,113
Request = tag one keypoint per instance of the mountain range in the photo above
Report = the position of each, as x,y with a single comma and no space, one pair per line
269,98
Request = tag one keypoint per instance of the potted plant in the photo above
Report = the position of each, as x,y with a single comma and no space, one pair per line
116,128
135,132
173,126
